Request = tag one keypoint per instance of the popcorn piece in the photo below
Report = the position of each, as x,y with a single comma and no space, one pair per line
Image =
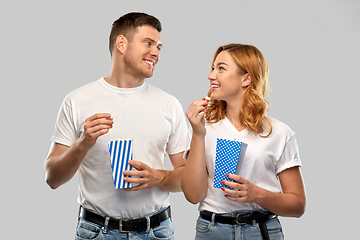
207,99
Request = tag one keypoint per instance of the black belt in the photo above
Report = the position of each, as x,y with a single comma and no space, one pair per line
126,225
243,218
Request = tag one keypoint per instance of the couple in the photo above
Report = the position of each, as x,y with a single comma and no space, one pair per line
123,105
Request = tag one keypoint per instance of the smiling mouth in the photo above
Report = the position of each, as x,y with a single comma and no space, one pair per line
149,62
214,86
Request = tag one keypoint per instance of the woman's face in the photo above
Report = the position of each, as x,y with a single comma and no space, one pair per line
225,79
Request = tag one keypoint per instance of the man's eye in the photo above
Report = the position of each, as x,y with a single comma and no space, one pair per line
148,43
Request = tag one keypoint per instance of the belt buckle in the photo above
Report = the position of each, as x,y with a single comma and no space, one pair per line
239,215
121,225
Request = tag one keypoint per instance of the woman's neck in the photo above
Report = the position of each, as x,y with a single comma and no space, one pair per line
233,114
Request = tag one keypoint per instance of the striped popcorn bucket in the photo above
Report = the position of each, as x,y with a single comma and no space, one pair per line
120,153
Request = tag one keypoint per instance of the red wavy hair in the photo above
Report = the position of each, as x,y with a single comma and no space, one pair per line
254,105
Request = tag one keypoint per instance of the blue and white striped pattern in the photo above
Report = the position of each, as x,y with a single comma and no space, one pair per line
120,153
227,155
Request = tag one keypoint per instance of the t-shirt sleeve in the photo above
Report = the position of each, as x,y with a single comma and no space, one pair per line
177,139
65,130
290,156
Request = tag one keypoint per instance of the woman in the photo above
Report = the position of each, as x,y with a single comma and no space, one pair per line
268,181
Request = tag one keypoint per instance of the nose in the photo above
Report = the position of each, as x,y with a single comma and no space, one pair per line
155,51
155,54
212,76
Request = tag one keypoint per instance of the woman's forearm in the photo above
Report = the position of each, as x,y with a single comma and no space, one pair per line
195,177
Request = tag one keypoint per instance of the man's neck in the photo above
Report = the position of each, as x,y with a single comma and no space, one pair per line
123,80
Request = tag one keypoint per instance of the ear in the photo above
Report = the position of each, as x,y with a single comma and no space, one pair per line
121,43
246,80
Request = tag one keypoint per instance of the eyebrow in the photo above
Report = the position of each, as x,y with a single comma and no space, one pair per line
221,63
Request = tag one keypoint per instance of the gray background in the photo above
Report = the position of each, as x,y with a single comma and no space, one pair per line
49,48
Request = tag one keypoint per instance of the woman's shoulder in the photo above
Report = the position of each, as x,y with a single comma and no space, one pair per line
280,128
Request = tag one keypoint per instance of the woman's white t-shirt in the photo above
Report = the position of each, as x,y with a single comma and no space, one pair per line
260,160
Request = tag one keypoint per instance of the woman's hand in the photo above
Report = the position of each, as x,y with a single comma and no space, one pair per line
195,114
242,189
290,202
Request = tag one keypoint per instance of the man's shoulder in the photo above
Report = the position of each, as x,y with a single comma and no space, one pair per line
84,91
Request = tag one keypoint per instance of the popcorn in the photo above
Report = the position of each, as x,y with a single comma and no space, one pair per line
207,99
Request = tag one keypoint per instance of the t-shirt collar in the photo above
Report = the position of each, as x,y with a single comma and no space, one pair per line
122,90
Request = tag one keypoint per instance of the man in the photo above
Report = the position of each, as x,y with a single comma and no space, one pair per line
122,106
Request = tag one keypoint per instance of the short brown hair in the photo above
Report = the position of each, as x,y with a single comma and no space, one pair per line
127,24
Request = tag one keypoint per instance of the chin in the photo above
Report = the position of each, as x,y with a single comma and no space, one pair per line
214,97
148,75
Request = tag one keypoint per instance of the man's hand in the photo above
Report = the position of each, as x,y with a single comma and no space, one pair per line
62,162
146,176
94,127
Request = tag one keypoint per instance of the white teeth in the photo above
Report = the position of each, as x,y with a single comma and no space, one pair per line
150,62
214,86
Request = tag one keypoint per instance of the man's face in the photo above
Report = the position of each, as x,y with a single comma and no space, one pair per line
143,52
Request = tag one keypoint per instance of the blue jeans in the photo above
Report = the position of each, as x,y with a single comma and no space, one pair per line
207,230
88,230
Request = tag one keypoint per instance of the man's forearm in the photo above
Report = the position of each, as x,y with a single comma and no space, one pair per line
172,179
63,162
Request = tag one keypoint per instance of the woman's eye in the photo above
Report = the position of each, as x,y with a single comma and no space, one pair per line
221,68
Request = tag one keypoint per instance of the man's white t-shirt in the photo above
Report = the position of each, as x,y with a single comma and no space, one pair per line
151,117
260,160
